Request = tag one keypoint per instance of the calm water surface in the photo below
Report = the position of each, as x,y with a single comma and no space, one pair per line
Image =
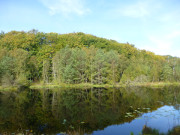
91,111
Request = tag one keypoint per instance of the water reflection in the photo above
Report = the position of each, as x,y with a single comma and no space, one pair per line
91,111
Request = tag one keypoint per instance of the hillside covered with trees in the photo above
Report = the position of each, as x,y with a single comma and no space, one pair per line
75,58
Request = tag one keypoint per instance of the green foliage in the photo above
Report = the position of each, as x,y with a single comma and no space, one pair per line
79,58
113,59
167,73
7,70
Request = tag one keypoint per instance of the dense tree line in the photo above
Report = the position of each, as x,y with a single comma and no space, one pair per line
79,58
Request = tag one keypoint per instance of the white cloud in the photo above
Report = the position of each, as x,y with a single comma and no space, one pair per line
137,10
171,21
160,43
164,44
141,8
174,34
65,7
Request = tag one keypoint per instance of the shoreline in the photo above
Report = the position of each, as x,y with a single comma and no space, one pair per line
156,84
87,85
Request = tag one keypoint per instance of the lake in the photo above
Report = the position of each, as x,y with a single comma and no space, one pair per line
96,111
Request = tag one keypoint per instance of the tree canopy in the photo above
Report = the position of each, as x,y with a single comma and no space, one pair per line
74,58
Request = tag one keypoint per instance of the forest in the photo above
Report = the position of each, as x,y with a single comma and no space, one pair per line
79,58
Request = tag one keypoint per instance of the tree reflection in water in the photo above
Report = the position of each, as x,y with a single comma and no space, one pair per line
79,110
149,131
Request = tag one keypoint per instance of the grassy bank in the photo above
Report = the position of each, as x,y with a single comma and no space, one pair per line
158,84
88,85
83,85
2,88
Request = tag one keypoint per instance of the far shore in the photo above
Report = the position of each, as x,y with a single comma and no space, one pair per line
88,85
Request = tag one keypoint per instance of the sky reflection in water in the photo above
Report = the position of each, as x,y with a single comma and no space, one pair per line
89,111
163,119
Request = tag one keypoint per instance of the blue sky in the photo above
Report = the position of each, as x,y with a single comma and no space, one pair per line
153,25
